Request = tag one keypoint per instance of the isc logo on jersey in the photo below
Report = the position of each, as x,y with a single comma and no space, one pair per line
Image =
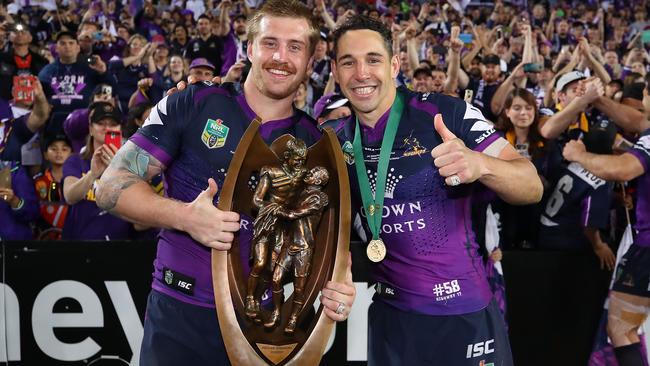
214,134
480,349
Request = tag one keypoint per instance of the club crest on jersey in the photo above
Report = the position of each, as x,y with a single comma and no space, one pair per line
412,147
348,152
214,134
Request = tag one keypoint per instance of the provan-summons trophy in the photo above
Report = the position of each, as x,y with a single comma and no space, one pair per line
298,200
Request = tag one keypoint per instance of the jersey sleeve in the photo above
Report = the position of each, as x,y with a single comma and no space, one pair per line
641,150
468,124
595,207
161,134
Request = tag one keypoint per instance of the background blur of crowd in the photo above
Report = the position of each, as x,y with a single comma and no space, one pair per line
77,77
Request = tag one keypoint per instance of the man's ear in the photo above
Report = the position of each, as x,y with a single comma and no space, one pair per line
334,70
394,66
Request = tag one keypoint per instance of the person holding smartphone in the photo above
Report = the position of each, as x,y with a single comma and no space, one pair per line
18,60
86,221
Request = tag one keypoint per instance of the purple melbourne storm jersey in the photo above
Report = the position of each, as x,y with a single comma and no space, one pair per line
579,200
432,264
194,133
641,151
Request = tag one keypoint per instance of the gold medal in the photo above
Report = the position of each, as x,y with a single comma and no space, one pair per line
376,250
371,210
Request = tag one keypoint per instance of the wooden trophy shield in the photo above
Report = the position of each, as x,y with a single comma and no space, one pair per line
248,340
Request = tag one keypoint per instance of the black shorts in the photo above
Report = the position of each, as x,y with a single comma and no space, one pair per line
177,333
633,272
399,338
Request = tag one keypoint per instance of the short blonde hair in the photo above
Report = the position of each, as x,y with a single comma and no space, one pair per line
287,9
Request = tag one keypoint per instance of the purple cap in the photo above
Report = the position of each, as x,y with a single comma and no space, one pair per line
201,62
327,103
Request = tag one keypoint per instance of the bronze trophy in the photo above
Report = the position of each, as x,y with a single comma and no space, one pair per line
299,201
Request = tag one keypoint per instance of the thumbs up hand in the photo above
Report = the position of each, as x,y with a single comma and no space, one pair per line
207,224
455,162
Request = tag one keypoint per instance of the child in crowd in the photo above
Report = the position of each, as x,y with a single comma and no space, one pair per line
56,150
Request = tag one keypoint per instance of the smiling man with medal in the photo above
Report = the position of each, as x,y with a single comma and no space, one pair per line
415,160
376,249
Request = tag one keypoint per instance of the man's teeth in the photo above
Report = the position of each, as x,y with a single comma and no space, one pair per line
364,90
278,72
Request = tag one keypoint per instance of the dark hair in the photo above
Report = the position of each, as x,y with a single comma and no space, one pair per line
135,112
203,16
504,124
360,22
617,82
187,33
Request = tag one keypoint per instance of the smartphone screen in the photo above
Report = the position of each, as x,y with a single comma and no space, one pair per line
23,88
465,37
645,36
532,67
114,138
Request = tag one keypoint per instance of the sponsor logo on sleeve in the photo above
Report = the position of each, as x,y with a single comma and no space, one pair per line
485,135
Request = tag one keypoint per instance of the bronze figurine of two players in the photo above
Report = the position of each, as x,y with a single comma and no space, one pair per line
297,200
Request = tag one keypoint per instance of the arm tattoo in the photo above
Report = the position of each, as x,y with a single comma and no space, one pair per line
130,165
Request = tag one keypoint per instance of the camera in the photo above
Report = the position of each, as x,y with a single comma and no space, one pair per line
92,60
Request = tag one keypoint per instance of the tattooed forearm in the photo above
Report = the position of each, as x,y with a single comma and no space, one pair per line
130,165
110,189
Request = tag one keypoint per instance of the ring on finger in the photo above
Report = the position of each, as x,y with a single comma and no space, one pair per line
341,308
455,180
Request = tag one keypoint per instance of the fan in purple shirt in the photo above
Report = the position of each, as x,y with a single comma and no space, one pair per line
629,301
18,203
191,136
86,221
432,292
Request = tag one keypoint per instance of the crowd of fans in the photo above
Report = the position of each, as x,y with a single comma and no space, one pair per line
74,72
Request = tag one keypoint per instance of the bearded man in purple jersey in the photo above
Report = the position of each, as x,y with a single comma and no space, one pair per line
413,161
191,136
629,300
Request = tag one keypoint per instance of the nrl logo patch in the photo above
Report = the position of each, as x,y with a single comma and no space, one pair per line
169,277
214,134
348,152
